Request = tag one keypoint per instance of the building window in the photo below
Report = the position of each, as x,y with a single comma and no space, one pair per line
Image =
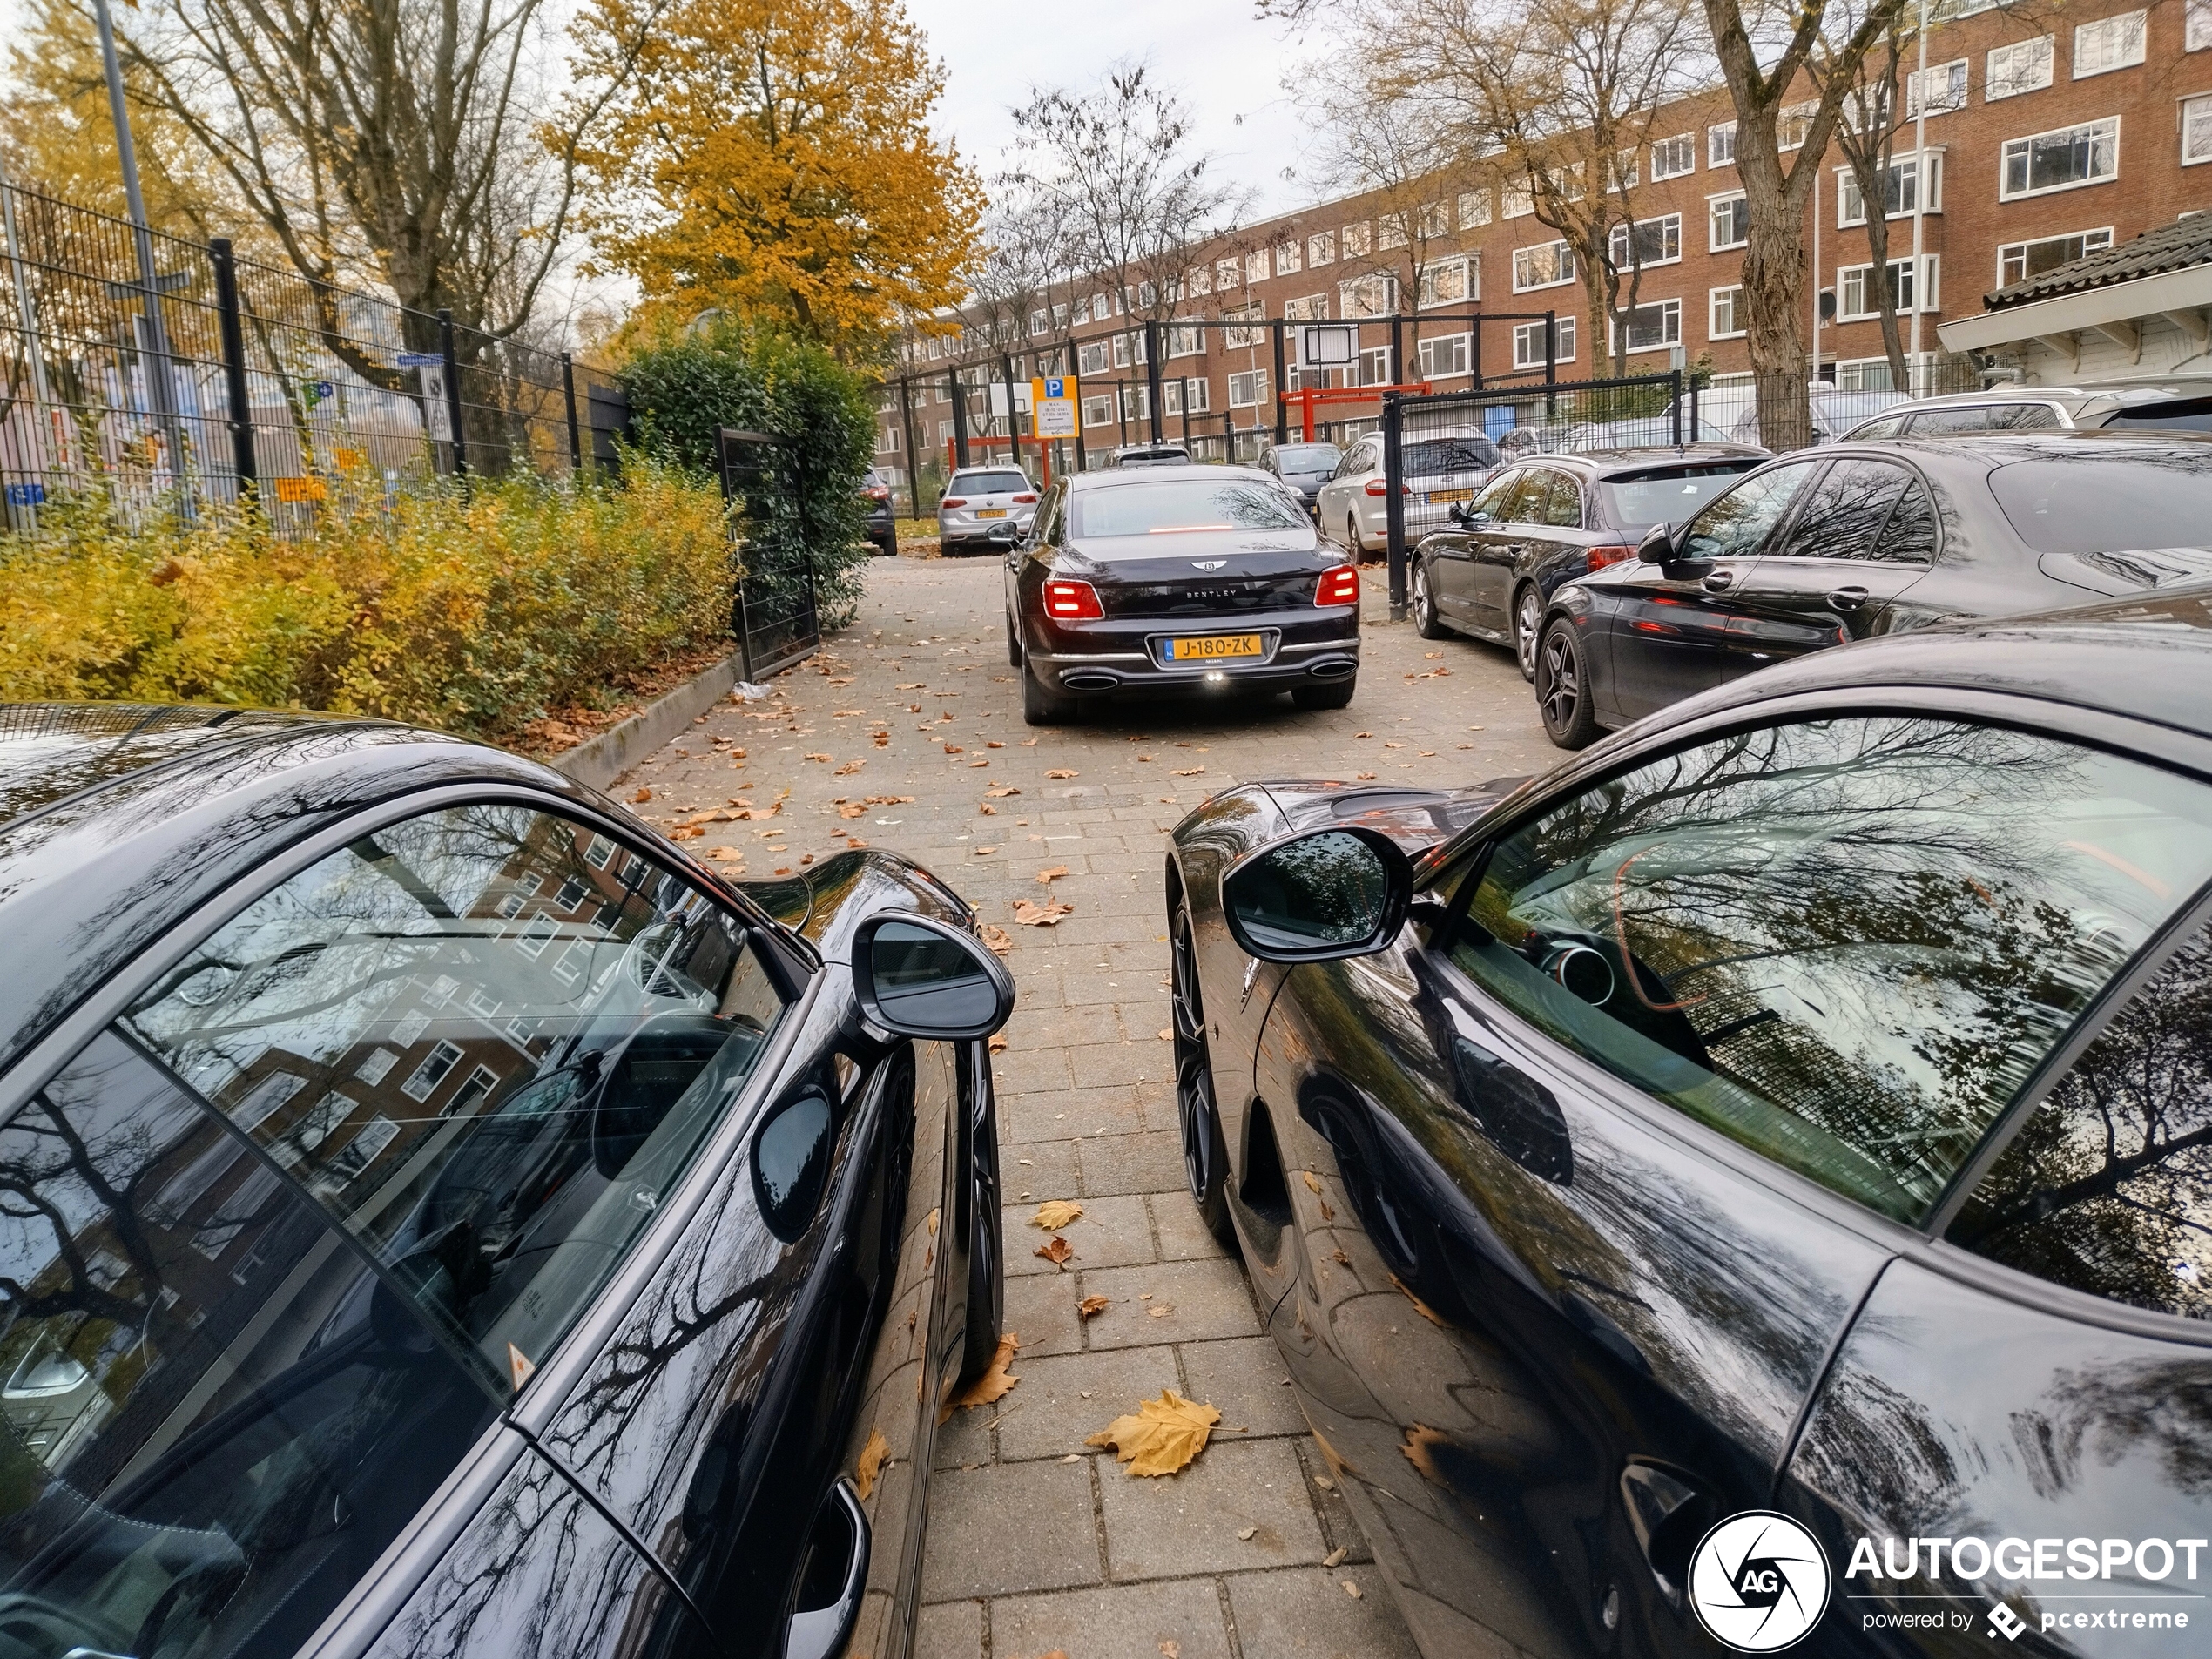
1186,342
1390,230
1447,282
1228,273
1475,204
1901,192
2108,44
1290,258
1725,320
1519,203
1945,84
1311,308
1038,321
1528,343
1858,293
1098,411
1720,145
1548,264
2196,130
1255,266
1793,123
2089,154
1651,328
1173,399
1435,220
1730,223
1442,356
1239,339
1059,317
1136,402
2024,66
1321,248
1672,158
427,1076
1247,390
1620,173
1357,241
886,441
1120,351
2197,30
1090,358
1657,242
1372,295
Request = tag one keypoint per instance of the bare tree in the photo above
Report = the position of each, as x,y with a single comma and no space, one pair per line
1866,134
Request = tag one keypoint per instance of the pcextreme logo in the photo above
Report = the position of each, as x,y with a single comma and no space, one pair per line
1758,1581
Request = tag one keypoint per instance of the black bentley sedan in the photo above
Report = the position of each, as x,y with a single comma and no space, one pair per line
1536,526
441,1217
1752,1184
1187,579
1851,541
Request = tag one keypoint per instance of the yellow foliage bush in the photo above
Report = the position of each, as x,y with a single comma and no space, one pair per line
472,614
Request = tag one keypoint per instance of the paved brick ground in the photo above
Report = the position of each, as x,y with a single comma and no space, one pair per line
1036,1541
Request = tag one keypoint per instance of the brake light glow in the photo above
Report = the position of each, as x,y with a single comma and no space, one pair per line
1028,496
878,493
954,501
1339,585
1602,556
1377,487
1071,601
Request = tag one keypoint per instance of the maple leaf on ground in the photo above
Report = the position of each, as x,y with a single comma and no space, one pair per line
999,1044
1002,791
1056,1251
1054,1213
871,1463
1161,1436
1365,776
643,795
996,939
996,1382
1063,772
1312,1181
852,809
1053,874
1040,915
1187,771
821,757
848,768
1091,1306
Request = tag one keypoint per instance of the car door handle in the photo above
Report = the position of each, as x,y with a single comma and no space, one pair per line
1847,598
1720,581
1669,1513
821,1632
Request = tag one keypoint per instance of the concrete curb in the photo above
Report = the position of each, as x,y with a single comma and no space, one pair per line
600,761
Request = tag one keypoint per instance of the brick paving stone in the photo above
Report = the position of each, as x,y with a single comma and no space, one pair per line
1014,1567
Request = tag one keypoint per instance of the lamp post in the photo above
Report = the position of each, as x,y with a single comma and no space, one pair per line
1916,378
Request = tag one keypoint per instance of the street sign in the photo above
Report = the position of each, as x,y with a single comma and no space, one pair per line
1052,406
26,495
437,418
300,489
1327,345
422,360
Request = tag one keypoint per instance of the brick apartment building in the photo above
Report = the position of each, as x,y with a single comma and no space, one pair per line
2052,130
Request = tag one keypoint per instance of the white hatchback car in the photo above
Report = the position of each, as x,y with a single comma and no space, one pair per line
1441,469
984,508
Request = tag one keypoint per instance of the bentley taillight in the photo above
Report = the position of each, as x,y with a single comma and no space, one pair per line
1339,585
1071,601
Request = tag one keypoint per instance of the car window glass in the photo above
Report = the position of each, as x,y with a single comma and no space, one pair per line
1425,457
2171,414
1638,501
1492,499
1736,525
1177,506
1526,504
2107,1187
2088,503
1846,943
1909,537
1565,506
989,483
1844,515
1983,417
1886,429
212,1416
486,1041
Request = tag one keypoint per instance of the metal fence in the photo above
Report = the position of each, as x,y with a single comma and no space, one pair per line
236,378
775,613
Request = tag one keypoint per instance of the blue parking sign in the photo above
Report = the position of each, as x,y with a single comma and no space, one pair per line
26,495
1055,386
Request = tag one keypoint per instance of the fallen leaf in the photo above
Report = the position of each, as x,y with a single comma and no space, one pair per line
643,795
1362,734
993,744
1352,1590
1054,1213
1063,772
871,1463
821,757
1365,776
1171,1650
996,939
954,749
848,768
1167,1036
1335,1557
996,1382
1161,1311
1056,1251
1053,874
1312,1181
1187,771
1002,791
998,1042
1091,1306
841,713
1341,1260
852,809
1161,1436
1325,1483
1028,915
1243,1532
986,809
1426,1311
1431,655
985,852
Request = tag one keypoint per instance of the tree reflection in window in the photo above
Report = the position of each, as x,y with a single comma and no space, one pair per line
2107,1188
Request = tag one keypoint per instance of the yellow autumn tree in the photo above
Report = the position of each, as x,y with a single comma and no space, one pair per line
774,159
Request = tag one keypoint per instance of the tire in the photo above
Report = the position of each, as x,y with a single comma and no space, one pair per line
1205,1155
887,548
1337,694
1563,687
985,1248
1527,628
1427,622
1351,535
1040,707
1013,643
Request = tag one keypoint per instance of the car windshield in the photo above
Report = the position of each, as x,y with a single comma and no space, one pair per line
1430,455
1175,506
2081,503
1307,457
1640,500
989,483
2174,415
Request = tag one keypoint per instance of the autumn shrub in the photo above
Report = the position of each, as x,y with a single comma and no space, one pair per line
472,612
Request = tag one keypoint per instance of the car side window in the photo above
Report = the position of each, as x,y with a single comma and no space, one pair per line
1565,506
1846,943
1049,514
2107,1186
1845,512
1526,504
1984,417
486,1041
1737,524
1490,502
214,1415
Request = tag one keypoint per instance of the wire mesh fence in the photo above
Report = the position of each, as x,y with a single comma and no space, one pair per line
224,378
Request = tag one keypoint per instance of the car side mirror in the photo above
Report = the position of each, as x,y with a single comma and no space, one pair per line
915,976
1319,896
1457,513
1658,544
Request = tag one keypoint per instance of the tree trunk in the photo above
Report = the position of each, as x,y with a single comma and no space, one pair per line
1774,293
1878,247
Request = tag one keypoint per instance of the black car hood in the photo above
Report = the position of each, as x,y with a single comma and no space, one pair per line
1415,819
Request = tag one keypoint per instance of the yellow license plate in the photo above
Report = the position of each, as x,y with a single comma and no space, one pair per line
1213,646
1451,495
990,512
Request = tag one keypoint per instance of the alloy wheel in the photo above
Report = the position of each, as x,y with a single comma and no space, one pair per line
1562,688
1194,1102
1527,620
1424,607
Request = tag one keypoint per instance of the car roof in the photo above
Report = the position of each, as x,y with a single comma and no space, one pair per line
1630,458
2179,385
1109,478
1989,451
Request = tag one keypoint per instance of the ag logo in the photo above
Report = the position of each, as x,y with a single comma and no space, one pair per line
1758,1581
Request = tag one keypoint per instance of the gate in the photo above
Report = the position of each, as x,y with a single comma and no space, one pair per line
773,613
1421,433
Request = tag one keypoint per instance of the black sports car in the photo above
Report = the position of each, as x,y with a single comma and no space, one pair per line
1854,540
1801,1110
444,1218
1548,521
1183,579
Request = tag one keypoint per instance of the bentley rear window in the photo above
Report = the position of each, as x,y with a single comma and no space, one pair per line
1175,506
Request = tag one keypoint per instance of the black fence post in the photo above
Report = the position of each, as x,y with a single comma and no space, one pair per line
1152,397
452,392
960,420
234,383
1282,410
1474,352
576,427
1551,365
1013,416
1678,408
914,455
1394,501
1697,427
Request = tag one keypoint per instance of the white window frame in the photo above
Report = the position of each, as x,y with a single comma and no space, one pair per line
1434,221
1927,295
1720,145
1713,244
1847,189
1098,410
1246,388
423,1081
1136,402
1794,112
1618,242
2197,109
1519,201
1427,299
1563,257
1353,296
1321,248
1670,312
1997,84
1475,204
1455,350
1356,241
1684,144
1290,257
1528,343
2196,26
1713,299
1944,74
2003,160
1256,266
1229,273
1391,233
2128,31
1375,368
